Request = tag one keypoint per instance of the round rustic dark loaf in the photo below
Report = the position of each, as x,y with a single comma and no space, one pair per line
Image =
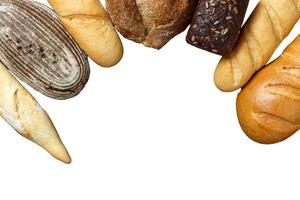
37,49
151,22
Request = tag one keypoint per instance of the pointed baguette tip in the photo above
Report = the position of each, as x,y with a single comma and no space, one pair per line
59,152
62,155
65,159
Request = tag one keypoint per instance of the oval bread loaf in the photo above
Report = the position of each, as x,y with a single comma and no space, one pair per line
90,25
268,107
35,46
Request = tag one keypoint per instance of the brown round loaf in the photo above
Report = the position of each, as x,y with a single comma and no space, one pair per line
268,107
151,22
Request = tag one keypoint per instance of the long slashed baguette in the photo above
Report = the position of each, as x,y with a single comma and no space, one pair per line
90,25
268,107
269,24
27,117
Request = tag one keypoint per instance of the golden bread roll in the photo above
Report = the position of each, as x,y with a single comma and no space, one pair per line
268,107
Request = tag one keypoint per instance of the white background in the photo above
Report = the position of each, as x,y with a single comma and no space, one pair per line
153,127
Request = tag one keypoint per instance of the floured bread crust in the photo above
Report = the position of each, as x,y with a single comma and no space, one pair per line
37,49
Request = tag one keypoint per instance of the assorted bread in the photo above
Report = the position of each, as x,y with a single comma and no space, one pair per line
216,25
44,56
90,25
269,24
151,22
48,50
268,107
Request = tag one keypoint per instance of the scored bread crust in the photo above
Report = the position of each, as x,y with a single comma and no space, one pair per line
151,22
27,117
37,49
268,108
89,24
267,27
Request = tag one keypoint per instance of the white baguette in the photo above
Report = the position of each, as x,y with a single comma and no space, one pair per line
26,116
266,28
89,24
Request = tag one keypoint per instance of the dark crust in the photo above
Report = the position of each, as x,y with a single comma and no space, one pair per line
127,19
216,25
170,19
152,22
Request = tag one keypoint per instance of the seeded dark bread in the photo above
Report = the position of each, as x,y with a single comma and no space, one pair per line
216,25
151,22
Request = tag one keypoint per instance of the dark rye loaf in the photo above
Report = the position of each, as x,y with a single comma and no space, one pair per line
37,49
216,25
